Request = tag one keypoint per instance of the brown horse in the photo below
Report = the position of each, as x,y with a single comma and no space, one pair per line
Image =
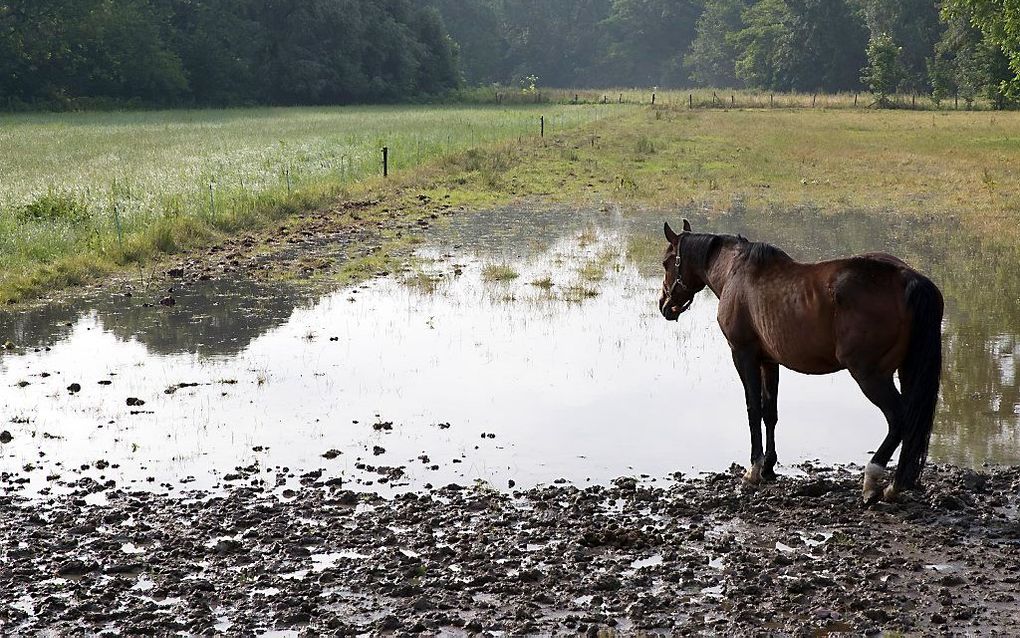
871,314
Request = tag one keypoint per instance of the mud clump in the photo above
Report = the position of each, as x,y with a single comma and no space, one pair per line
676,555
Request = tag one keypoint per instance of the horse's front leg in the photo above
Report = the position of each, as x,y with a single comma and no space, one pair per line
770,415
748,365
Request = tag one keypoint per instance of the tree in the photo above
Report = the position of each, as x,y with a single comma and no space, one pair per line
712,58
883,72
647,40
476,27
999,22
914,25
767,45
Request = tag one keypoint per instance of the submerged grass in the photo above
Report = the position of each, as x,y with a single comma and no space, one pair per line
543,283
499,273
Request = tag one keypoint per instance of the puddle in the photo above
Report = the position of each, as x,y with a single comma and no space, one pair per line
329,560
651,561
565,371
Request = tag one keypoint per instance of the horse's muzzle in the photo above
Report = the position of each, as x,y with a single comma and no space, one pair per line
670,310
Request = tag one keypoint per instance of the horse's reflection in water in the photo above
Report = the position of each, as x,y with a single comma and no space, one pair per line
871,314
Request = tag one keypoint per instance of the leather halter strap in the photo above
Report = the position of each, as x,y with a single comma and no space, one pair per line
679,281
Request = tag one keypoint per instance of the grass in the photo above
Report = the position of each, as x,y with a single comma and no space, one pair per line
576,293
499,273
83,194
949,165
709,98
424,282
543,283
142,188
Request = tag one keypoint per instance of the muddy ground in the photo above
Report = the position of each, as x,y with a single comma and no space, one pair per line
674,555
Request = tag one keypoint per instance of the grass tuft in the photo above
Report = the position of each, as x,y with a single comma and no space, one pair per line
499,273
545,283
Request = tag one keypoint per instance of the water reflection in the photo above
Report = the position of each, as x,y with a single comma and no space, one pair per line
585,387
214,318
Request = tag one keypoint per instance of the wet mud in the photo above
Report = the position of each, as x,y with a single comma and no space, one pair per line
672,555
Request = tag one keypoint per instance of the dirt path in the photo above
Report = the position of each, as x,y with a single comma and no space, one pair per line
673,555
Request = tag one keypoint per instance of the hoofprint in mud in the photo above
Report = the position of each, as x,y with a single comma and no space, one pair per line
673,555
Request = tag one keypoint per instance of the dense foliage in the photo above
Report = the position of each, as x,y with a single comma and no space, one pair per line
780,45
210,52
172,52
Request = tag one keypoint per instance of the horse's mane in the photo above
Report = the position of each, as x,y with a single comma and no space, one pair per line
699,248
760,253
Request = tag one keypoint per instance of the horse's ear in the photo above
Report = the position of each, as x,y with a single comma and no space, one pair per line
670,235
687,226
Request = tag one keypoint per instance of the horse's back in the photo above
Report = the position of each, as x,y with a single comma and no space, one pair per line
824,316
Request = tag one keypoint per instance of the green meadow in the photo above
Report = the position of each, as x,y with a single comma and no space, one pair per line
81,194
86,194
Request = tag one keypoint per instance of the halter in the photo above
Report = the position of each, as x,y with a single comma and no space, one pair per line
679,281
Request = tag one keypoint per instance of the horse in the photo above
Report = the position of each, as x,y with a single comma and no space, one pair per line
871,314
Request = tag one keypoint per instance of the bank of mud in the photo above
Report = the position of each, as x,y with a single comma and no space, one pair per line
673,555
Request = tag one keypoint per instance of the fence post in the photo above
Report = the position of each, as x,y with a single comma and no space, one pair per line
386,161
733,101
772,100
855,99
813,98
690,100
621,98
913,100
541,124
653,98
956,101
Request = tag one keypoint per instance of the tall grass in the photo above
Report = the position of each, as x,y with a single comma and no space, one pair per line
120,186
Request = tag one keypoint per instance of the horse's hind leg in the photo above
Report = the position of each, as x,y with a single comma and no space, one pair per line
881,391
770,414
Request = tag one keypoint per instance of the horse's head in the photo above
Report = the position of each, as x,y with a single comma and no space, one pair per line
676,295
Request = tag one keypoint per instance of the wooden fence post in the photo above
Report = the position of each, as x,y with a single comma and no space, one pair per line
653,98
690,100
386,161
541,123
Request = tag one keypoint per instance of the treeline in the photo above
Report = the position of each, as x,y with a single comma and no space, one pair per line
952,48
66,53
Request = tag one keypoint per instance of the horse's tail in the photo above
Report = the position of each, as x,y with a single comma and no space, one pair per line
919,377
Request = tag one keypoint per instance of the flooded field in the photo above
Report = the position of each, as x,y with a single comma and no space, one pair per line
524,347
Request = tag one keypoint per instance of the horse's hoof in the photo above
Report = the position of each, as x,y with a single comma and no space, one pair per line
769,475
872,496
889,494
753,474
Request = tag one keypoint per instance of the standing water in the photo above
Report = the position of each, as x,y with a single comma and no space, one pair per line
526,347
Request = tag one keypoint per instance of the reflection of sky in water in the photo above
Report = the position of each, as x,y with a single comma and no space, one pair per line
582,390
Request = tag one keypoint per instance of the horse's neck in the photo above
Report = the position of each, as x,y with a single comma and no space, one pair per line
720,268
